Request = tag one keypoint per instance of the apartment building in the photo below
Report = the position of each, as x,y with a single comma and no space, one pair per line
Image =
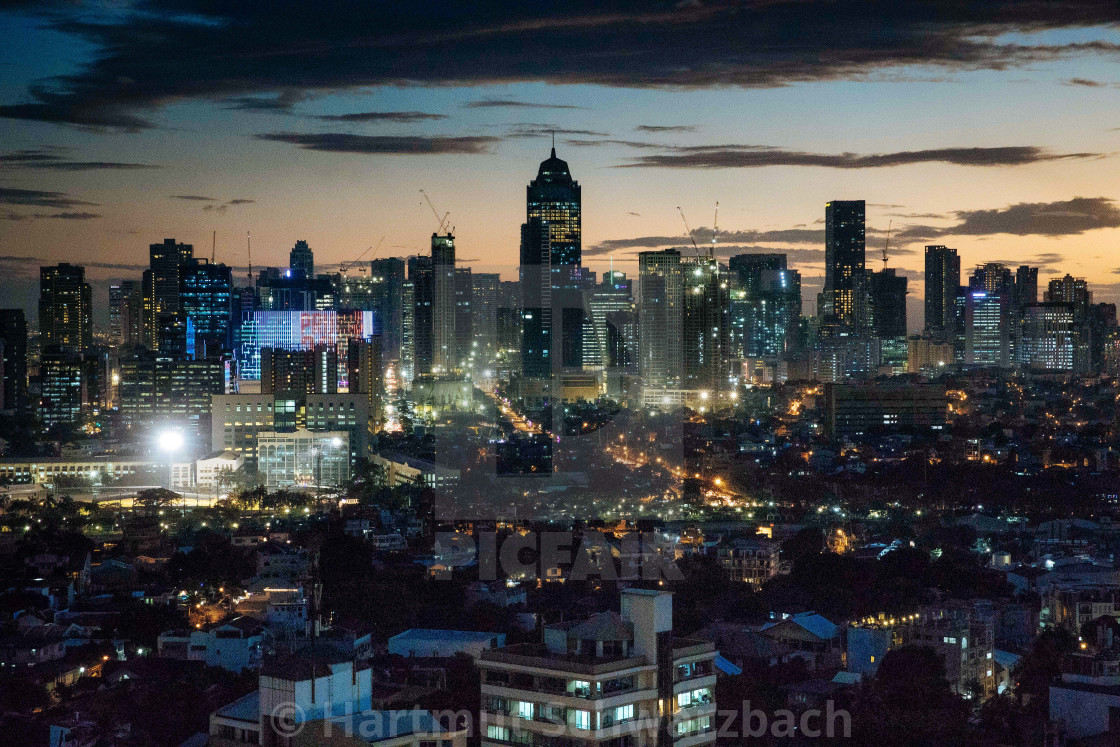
614,679
751,561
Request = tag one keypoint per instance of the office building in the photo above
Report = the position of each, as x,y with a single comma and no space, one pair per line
1026,286
596,679
367,377
887,303
942,283
537,354
158,391
554,199
206,302
68,387
238,419
1050,340
420,274
466,346
870,409
65,307
844,303
661,318
611,296
303,458
1072,291
13,354
313,371
389,274
988,337
126,319
299,330
444,346
924,354
484,300
301,261
706,343
161,285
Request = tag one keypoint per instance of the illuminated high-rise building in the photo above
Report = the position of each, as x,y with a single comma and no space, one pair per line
843,298
13,337
484,299
536,300
706,343
660,318
421,278
443,304
126,319
206,298
65,307
301,261
161,285
554,199
466,346
942,285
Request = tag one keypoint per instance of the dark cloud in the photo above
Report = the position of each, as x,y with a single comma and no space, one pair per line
12,196
665,128
758,156
1063,218
196,198
548,130
266,55
703,235
241,201
9,259
54,158
1086,83
281,103
381,117
514,104
384,144
48,216
609,141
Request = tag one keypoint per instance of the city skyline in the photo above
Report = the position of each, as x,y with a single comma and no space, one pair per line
939,146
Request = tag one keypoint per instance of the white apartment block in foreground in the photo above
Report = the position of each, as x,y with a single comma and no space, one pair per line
617,680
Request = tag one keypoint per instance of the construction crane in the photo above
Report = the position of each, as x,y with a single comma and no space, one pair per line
715,228
345,266
688,229
887,245
442,221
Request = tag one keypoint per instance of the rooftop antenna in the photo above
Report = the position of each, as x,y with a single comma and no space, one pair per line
554,143
213,246
886,246
688,229
249,243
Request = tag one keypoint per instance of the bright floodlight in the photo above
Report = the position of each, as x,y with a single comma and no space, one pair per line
336,442
171,440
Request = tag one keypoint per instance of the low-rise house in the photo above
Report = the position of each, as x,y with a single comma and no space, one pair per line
1084,701
234,645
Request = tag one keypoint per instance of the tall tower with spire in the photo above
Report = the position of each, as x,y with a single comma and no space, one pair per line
552,283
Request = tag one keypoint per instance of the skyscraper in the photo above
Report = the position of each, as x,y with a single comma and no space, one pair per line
443,304
610,296
301,261
206,292
161,285
554,198
13,335
845,249
887,297
465,343
388,273
987,328
485,305
1072,291
706,343
536,300
942,281
65,307
1026,286
420,276
660,318
125,312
